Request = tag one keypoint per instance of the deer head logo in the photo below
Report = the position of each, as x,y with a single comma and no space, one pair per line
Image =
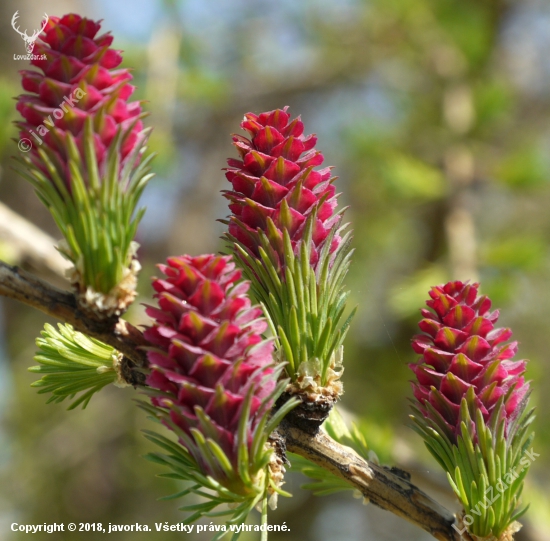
29,40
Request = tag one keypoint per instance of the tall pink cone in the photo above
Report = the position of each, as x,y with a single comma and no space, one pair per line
209,357
470,409
461,351
286,234
277,185
86,161
77,80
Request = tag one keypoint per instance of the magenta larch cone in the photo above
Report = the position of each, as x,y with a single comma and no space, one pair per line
79,79
209,355
461,349
276,185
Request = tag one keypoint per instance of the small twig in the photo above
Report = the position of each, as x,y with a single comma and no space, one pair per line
379,485
22,286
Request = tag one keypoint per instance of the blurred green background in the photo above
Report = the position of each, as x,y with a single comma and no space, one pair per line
436,117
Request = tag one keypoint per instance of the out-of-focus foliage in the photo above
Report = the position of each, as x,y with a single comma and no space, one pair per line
7,111
436,117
